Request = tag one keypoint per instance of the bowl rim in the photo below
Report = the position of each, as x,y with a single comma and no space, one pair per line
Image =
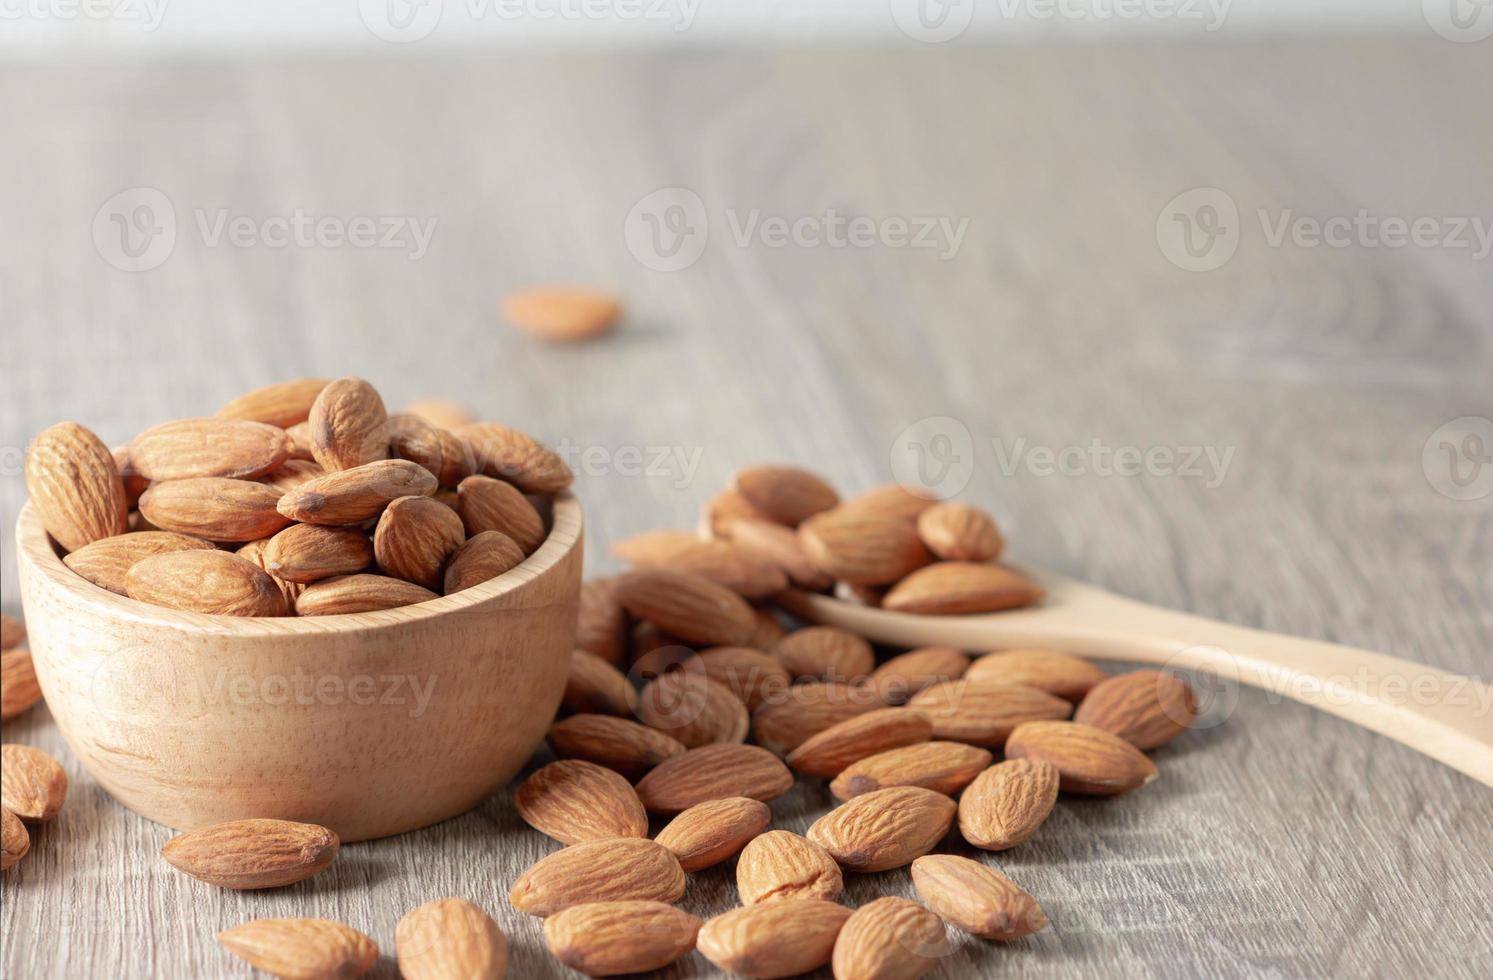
34,548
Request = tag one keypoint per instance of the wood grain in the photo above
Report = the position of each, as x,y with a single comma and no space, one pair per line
1282,842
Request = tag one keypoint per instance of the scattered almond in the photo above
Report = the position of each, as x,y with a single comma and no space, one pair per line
984,713
365,592
75,486
508,454
606,939
308,553
283,404
786,494
32,783
753,676
1006,803
693,708
825,652
188,448
105,562
726,506
1089,760
599,871
780,866
904,675
450,938
214,508
708,833
1147,708
976,898
957,587
1063,674
573,801
243,854
944,767
959,532
617,743
766,630
486,504
831,751
713,772
346,425
889,939
218,583
688,606
742,571
862,550
782,724
777,544
484,556
302,949
354,495
19,690
12,632
774,939
14,839
886,828
562,313
601,623
595,686
414,539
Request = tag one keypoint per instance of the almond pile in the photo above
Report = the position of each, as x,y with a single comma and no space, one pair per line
302,498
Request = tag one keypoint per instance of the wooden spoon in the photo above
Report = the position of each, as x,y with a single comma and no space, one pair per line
1443,715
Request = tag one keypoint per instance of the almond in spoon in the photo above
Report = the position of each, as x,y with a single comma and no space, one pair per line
1065,675
957,587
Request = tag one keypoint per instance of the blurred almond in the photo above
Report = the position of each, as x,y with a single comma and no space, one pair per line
831,751
617,743
364,592
726,506
414,539
889,939
976,898
75,486
687,605
766,630
892,500
450,938
883,829
562,313
411,437
14,839
311,552
282,404
573,800
508,454
708,833
624,868
959,532
105,562
904,675
302,949
606,939
779,545
984,713
713,772
775,939
780,866
601,623
12,632
218,583
595,686
134,483
787,494
1089,760
784,722
862,550
825,652
957,587
1006,803
246,854
32,783
19,690
346,425
944,767
486,504
753,676
443,413
352,496
739,570
300,443
693,708
233,448
214,508
1063,674
1147,708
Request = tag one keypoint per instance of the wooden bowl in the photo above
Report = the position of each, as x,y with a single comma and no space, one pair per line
370,723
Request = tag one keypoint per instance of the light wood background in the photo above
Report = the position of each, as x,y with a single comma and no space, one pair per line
1281,842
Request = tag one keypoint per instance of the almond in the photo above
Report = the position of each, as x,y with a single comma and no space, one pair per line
766,631
656,547
944,767
601,622
75,486
414,539
1147,708
886,828
355,495
188,448
1065,675
1006,803
779,545
780,866
302,949
346,425
450,937
562,313
595,686
958,587
1089,760
214,508
901,677
106,561
507,454
831,751
889,939
364,592
693,708
411,437
786,494
776,939
12,632
134,483
19,690
781,724
254,552
708,833
959,532
985,713
688,606
311,552
599,871
975,898
751,675
32,783
484,556
486,504
726,506
14,840
244,854
457,459
826,652
862,550
300,443
573,801
292,474
218,583
439,412
605,939
891,500
739,570
617,743
282,404
713,772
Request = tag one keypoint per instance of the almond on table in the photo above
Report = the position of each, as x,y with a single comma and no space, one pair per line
945,767
562,314
1063,674
884,829
617,743
605,939
976,898
32,783
713,772
781,866
708,833
573,801
19,689
890,938
450,937
826,652
595,686
247,854
773,939
693,708
1147,708
836,748
1089,760
304,949
599,871
1007,803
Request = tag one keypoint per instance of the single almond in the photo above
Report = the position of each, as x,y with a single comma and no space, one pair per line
254,552
19,690
599,871
891,500
784,722
766,631
779,545
364,592
958,587
346,425
985,713
889,939
214,508
713,772
415,538
75,486
187,448
825,652
352,496
244,854
300,443
105,562
708,833
301,949
1089,760
573,801
884,829
218,583
656,547
739,570
976,898
484,556
830,752
486,504
693,708
508,454
688,606
292,474
282,404
787,494
450,938
601,622
1006,803
1147,708
606,939
562,313
443,413
617,743
959,532
726,506
944,767
904,675
32,783
774,939
12,632
1063,674
14,839
448,458
308,553
595,686
781,866
862,550
753,676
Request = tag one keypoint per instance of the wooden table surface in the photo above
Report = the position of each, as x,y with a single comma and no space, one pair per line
1282,842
